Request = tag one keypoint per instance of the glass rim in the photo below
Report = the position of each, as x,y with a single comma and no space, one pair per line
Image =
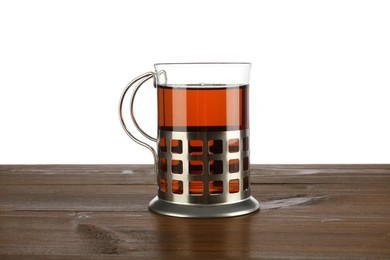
202,63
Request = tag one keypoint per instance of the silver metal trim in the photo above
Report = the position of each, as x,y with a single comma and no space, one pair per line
143,77
239,208
206,177
132,108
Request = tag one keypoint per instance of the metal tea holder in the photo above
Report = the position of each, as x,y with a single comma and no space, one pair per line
232,175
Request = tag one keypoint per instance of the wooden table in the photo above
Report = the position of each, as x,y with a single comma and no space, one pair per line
100,212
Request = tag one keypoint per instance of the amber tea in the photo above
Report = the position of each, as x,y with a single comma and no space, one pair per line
203,108
200,108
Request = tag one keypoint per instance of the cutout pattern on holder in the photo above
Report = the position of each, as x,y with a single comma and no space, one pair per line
204,165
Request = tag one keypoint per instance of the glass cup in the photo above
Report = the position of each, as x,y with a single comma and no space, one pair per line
202,158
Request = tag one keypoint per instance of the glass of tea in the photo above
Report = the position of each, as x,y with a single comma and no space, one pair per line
202,159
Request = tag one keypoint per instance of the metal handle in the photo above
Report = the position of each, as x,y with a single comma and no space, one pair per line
132,108
143,78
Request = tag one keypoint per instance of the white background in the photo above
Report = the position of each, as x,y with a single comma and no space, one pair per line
319,84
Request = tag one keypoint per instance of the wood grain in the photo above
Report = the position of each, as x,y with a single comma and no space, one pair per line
100,212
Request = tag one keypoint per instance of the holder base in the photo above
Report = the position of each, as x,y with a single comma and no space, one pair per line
222,210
